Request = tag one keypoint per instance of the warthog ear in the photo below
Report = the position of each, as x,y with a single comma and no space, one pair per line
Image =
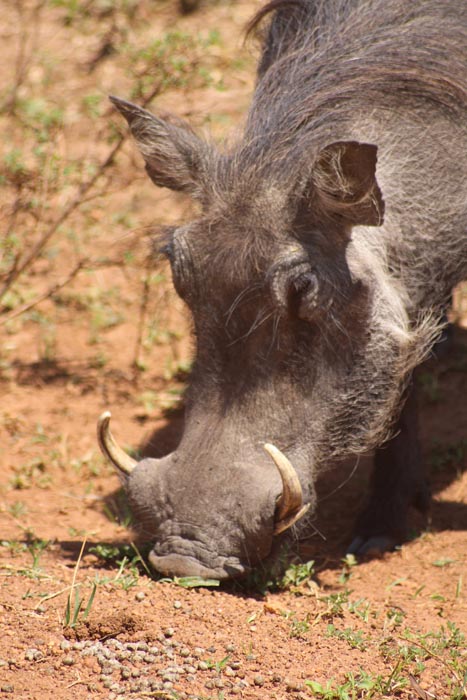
344,183
175,157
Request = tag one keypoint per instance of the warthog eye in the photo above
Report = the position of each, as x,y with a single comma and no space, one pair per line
163,243
167,251
177,253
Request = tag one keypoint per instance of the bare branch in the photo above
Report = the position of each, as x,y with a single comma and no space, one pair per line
74,204
49,293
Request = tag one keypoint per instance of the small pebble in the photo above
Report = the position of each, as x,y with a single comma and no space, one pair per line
169,632
169,677
68,661
155,685
7,689
177,605
258,680
65,645
294,686
141,595
107,670
176,669
33,655
185,652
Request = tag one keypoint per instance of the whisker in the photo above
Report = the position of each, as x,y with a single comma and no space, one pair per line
275,328
239,298
255,325
342,483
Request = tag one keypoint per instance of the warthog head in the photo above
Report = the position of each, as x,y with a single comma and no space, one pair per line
303,343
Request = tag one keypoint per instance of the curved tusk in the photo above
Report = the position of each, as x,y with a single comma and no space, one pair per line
290,506
123,462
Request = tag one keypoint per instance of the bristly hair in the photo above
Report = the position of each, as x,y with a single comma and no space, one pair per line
322,56
330,69
289,17
275,5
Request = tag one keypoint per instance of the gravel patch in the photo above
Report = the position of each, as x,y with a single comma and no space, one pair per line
166,669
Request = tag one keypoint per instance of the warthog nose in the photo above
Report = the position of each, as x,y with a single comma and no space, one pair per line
183,566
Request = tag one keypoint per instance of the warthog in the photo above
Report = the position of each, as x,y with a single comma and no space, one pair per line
329,238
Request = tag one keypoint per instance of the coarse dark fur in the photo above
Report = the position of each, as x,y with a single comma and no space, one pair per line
329,239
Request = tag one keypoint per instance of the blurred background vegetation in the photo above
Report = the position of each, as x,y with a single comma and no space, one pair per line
78,280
